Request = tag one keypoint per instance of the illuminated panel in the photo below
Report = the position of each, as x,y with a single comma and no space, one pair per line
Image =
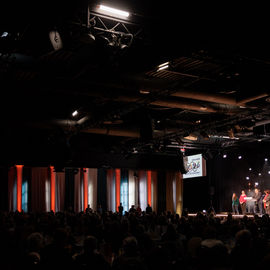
19,187
117,187
52,188
149,193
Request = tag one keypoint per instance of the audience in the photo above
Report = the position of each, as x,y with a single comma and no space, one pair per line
135,240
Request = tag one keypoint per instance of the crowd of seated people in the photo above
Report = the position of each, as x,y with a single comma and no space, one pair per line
134,240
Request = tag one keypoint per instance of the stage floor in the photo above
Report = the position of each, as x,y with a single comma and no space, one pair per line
226,215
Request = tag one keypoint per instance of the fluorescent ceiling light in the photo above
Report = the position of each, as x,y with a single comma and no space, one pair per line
163,67
145,92
164,64
113,11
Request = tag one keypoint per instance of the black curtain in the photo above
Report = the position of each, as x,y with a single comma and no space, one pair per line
4,188
161,191
102,188
69,188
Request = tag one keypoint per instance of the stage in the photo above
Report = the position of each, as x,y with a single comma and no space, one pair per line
222,215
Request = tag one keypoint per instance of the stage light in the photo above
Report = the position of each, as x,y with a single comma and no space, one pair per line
250,169
4,34
256,184
247,178
259,140
224,156
113,12
266,159
268,172
75,113
259,174
239,157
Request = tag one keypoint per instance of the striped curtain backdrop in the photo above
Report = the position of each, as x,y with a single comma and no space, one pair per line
42,189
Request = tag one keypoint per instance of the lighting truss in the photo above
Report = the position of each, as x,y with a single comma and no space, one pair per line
117,31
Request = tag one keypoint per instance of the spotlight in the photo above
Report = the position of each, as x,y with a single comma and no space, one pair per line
266,159
239,157
4,34
250,169
224,156
256,184
74,113
259,174
259,140
268,172
247,177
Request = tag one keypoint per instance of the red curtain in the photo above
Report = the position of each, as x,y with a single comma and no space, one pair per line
39,189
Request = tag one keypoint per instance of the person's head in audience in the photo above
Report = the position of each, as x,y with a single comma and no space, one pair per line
90,244
130,246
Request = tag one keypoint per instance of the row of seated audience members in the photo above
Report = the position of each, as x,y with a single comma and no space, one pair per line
133,240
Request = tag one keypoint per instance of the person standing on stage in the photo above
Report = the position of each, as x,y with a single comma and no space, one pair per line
258,201
148,209
235,204
250,203
120,209
243,202
266,201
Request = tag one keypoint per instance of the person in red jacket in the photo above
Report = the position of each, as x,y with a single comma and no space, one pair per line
266,201
243,202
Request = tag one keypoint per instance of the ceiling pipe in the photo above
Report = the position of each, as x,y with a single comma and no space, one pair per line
252,98
113,132
217,98
171,104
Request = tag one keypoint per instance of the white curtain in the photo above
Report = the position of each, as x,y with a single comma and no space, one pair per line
154,191
179,193
111,190
78,192
142,190
92,188
131,189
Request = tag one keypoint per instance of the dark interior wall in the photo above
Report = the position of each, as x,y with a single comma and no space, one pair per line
195,197
4,188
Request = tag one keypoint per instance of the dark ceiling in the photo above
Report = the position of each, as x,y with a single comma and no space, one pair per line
214,95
